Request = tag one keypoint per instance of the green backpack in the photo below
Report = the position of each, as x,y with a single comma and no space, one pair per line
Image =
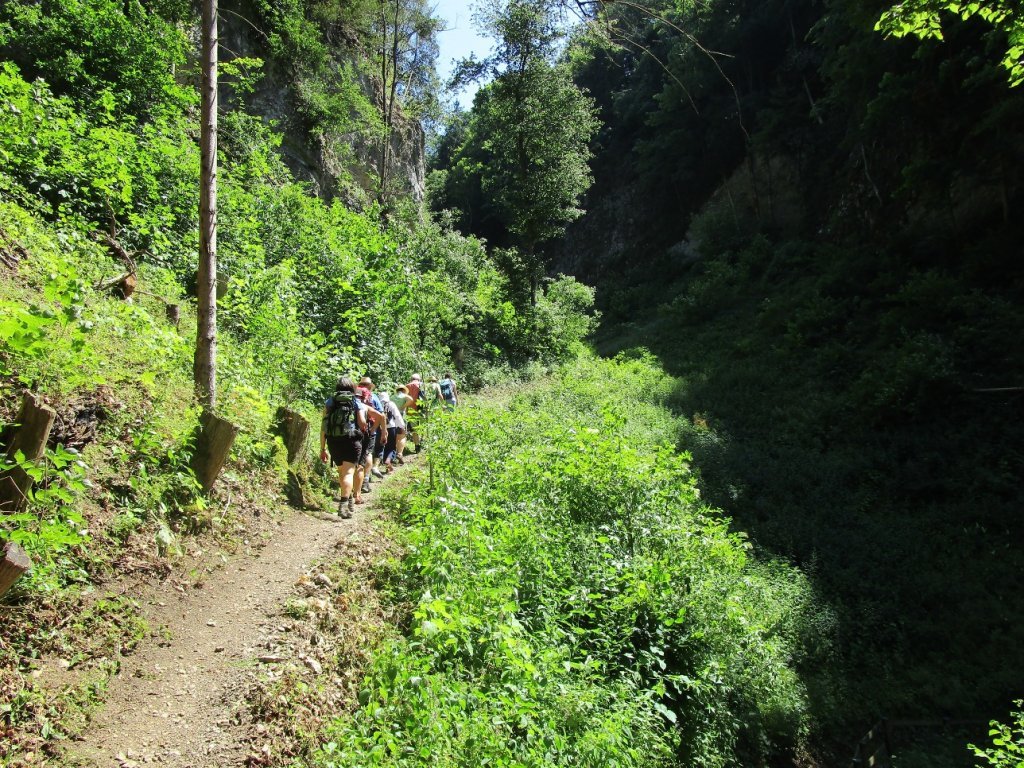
341,416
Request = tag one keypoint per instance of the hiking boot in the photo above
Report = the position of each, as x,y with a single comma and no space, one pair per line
345,509
366,486
376,472
351,508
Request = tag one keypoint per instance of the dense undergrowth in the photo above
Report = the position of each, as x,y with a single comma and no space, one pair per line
846,425
815,232
575,603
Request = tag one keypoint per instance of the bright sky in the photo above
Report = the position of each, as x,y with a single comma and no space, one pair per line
458,42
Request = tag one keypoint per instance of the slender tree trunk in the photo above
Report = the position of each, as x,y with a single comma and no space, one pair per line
389,85
205,365
867,174
384,110
394,92
528,256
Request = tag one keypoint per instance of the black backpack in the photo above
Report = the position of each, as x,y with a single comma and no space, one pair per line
341,416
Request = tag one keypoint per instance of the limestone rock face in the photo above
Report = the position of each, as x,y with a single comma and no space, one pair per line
603,236
337,164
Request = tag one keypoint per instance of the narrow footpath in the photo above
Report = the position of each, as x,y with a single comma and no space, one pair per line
179,698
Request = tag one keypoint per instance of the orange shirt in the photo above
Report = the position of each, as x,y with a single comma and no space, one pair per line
414,393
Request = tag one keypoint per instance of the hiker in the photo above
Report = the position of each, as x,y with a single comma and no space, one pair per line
377,421
341,431
449,392
433,395
402,401
396,426
413,414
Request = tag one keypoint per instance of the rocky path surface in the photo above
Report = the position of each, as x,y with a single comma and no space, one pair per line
175,700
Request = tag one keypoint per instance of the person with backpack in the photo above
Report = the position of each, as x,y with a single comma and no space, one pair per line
378,423
341,432
396,426
432,396
413,414
380,437
449,392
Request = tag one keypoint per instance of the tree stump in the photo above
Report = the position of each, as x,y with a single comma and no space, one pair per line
213,444
293,428
34,423
13,566
126,285
295,491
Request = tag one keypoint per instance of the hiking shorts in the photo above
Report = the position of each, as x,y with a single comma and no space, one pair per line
369,442
345,449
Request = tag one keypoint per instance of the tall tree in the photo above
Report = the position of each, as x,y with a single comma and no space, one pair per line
205,363
536,125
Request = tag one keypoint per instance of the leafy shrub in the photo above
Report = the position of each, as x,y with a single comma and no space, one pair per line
97,47
1007,749
87,168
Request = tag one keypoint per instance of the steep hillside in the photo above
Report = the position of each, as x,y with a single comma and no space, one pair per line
814,230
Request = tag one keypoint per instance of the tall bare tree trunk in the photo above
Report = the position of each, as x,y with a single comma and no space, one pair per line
389,93
384,111
205,365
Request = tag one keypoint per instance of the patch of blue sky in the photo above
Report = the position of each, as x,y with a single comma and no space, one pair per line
460,39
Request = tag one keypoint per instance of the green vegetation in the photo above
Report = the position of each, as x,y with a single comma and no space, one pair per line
923,18
99,175
1007,750
574,603
860,395
807,222
524,151
311,289
811,226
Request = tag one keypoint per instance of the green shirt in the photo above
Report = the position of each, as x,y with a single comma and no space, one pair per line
402,400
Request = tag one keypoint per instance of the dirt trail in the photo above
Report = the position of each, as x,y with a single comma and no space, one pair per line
173,700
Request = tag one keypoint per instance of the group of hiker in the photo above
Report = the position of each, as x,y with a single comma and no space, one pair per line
365,433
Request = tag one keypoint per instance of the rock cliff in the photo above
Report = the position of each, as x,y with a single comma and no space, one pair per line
342,161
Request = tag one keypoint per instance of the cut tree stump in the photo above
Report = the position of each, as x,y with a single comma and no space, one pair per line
295,491
293,428
173,312
13,566
34,423
213,444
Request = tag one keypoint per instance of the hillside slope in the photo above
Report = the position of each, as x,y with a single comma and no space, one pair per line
818,239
